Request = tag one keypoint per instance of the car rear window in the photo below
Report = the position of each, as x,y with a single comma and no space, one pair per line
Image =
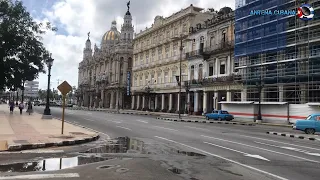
224,112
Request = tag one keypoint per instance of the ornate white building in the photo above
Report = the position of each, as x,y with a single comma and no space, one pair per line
104,76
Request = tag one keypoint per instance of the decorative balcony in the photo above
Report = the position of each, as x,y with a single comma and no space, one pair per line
214,80
223,46
194,54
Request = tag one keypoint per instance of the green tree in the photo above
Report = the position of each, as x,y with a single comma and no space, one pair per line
22,53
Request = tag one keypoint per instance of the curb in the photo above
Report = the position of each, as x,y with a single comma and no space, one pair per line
19,147
293,136
205,121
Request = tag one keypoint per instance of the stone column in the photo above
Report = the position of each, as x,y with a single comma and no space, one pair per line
188,102
143,102
229,95
118,71
138,102
196,101
280,90
90,102
156,102
117,100
149,102
132,101
178,103
228,65
112,100
125,69
170,102
102,99
162,102
216,67
205,101
216,95
244,94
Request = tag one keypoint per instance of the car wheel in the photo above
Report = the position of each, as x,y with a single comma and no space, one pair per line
309,131
219,119
207,118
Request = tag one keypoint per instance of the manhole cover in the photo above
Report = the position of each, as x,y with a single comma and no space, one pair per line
122,170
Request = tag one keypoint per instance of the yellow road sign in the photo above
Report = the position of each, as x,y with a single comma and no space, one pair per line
64,87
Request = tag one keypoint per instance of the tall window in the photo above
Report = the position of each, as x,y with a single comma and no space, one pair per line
153,54
136,81
147,57
174,73
175,47
140,82
141,59
146,80
152,79
185,29
168,34
222,68
192,73
166,77
154,39
160,53
211,69
224,38
200,72
159,77
167,51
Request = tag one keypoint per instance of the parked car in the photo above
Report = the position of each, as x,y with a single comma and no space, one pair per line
42,104
219,115
310,125
36,103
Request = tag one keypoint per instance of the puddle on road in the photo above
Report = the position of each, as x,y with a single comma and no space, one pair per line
50,164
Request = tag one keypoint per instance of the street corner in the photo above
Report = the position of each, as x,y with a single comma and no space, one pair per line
295,135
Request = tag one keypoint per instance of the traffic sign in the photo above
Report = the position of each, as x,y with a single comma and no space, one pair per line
64,88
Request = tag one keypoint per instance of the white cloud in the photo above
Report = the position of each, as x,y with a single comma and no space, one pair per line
75,18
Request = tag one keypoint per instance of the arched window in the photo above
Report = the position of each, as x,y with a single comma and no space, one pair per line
125,36
224,38
192,73
200,72
129,36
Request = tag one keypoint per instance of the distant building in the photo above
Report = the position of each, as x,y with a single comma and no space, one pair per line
31,88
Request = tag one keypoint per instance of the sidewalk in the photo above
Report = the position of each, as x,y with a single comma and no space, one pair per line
19,132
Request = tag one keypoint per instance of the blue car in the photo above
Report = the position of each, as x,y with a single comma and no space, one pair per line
219,115
310,125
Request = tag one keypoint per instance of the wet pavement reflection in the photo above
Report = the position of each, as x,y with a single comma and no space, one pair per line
50,164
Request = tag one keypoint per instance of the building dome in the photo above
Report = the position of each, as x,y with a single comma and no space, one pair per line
111,36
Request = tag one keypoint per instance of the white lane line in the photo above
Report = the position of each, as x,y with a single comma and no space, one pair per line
245,154
143,121
197,128
281,142
42,176
124,128
33,151
168,121
261,149
88,119
165,128
290,148
118,122
226,159
89,113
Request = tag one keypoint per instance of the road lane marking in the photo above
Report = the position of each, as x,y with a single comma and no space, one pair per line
281,142
290,148
124,128
118,122
197,128
168,121
42,176
38,151
226,159
261,149
245,154
88,119
89,113
143,121
165,128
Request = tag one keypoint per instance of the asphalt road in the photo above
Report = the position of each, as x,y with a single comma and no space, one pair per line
245,152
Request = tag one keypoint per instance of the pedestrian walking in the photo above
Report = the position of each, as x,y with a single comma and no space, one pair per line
11,106
21,107
29,110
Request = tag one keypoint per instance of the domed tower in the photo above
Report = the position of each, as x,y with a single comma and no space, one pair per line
87,52
111,37
127,29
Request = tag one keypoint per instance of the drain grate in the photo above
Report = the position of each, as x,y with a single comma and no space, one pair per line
106,167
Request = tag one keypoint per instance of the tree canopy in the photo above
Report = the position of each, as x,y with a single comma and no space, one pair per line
22,54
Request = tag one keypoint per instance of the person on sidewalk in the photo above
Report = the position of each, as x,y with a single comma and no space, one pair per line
11,106
29,110
21,107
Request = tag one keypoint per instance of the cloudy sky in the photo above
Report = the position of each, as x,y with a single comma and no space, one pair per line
75,18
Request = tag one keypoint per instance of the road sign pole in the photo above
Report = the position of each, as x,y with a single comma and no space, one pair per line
63,106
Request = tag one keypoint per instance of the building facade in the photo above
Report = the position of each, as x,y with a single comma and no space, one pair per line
31,89
104,73
280,54
157,60
211,64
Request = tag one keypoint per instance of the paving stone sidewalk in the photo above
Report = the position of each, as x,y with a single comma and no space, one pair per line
19,132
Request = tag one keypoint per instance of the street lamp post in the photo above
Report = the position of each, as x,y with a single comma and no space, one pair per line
148,90
49,64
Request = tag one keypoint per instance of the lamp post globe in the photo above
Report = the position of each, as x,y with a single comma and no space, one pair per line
49,63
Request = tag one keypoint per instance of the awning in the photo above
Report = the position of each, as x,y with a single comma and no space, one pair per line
313,104
272,103
236,102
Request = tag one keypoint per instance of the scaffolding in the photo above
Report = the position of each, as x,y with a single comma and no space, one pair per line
280,52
